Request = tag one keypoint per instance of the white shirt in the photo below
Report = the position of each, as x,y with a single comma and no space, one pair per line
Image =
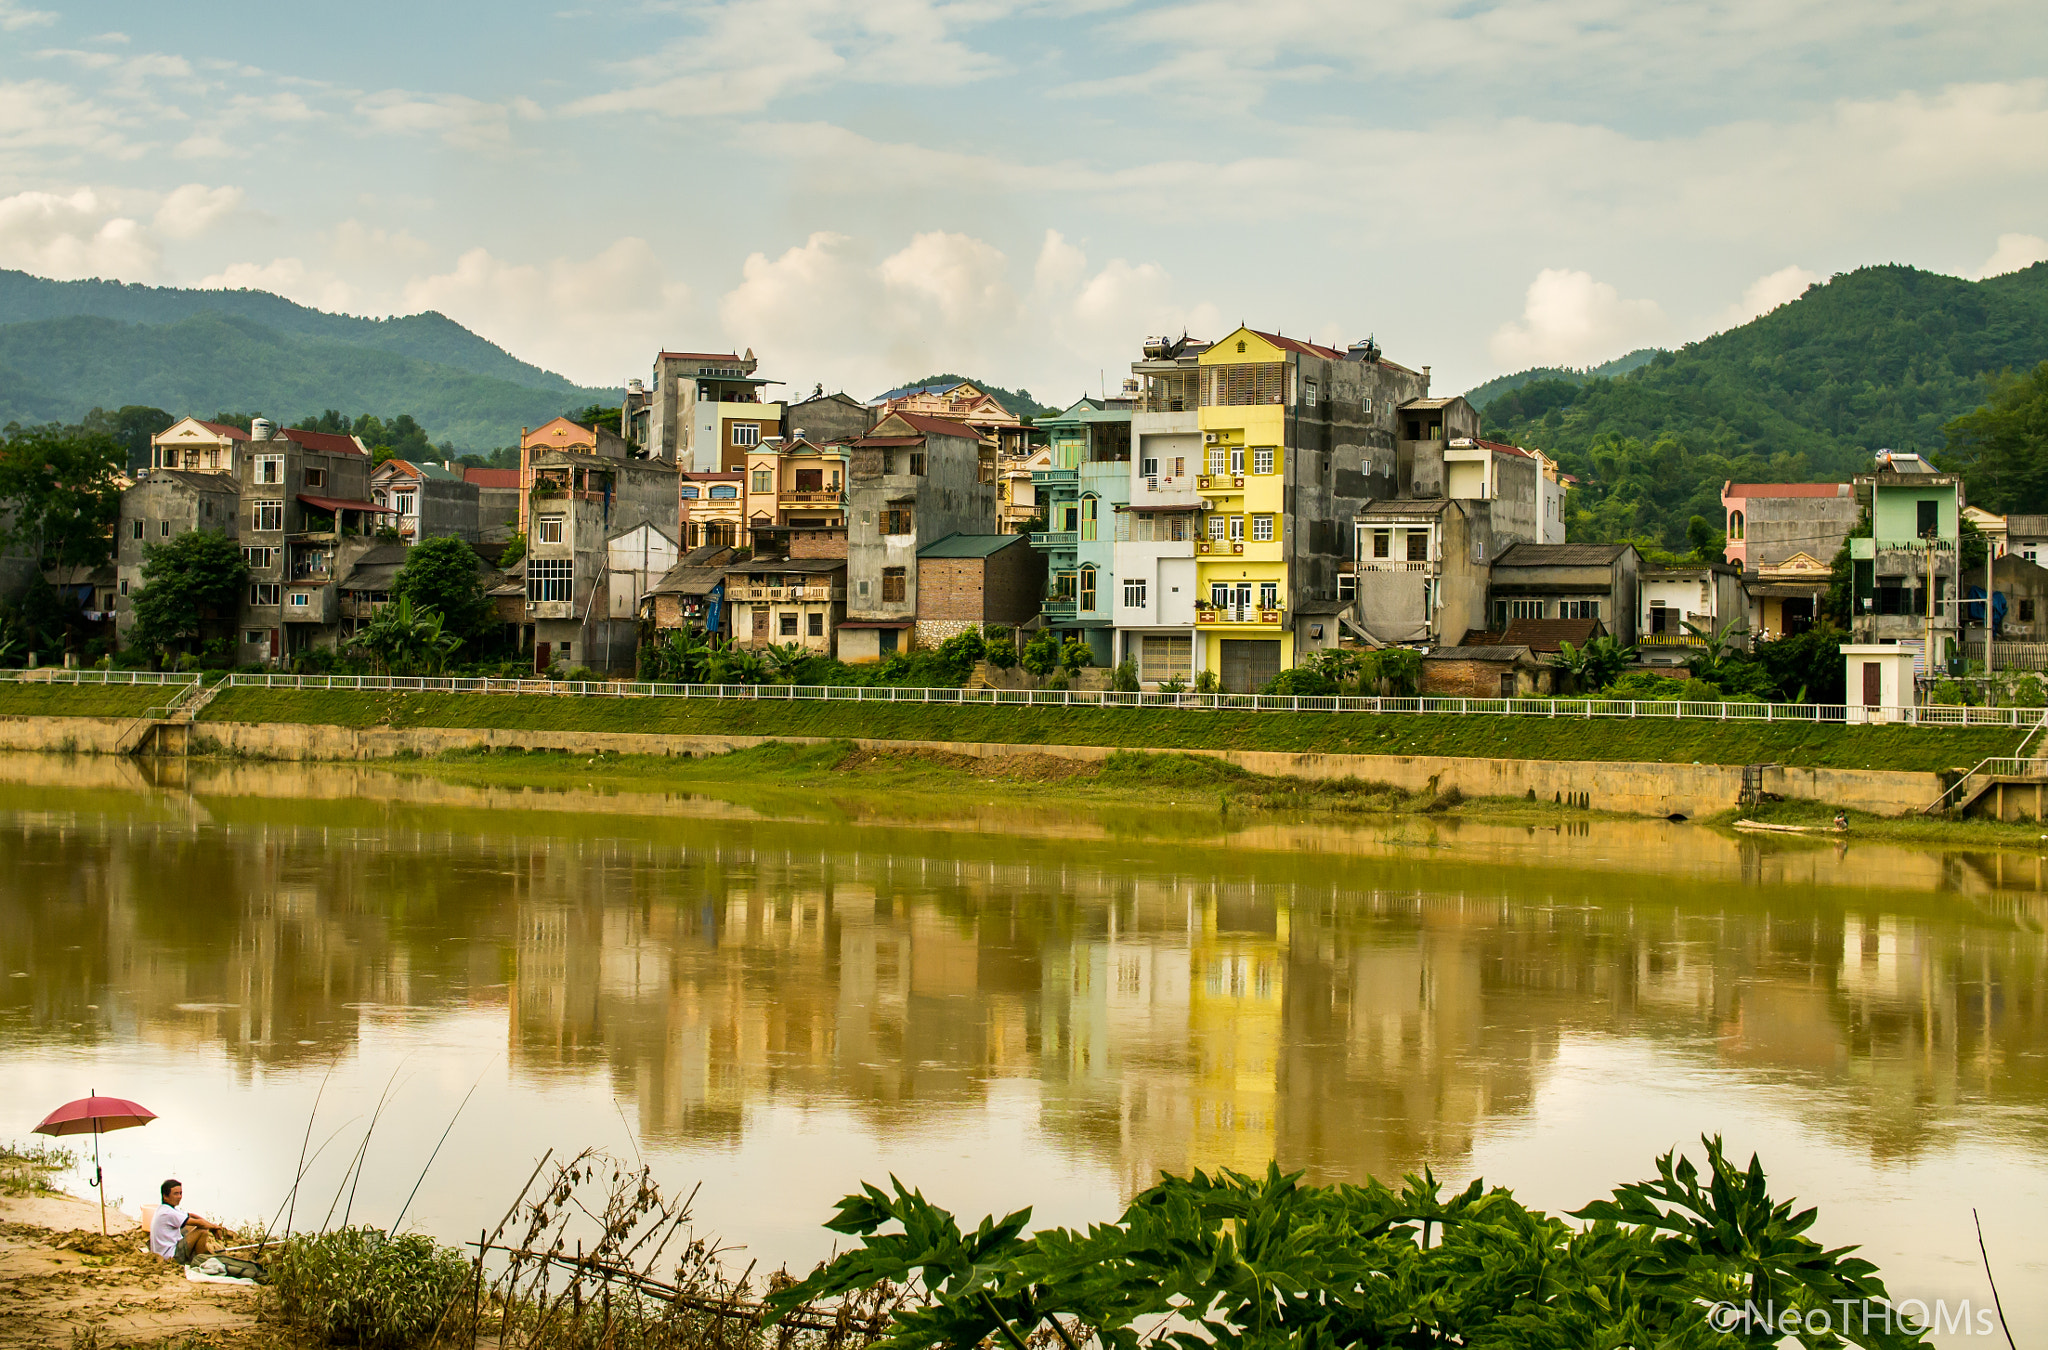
165,1229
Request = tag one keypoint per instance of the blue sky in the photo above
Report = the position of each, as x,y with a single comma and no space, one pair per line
868,190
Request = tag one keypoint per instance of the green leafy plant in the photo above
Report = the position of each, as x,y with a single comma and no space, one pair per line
1123,677
1208,682
1042,653
1243,1261
1076,655
360,1286
190,587
1595,665
402,640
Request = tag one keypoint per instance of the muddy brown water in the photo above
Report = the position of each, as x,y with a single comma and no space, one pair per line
1008,1001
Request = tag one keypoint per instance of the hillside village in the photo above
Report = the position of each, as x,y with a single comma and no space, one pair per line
1241,509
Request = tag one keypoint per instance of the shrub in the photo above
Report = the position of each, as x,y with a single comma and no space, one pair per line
1058,680
1123,678
1042,653
1649,686
1076,654
364,1287
1208,682
1300,682
1002,655
1176,684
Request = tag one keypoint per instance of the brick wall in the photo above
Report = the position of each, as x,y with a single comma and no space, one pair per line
1464,679
1014,584
817,543
949,589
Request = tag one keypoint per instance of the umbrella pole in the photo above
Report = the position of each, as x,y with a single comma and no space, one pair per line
99,1178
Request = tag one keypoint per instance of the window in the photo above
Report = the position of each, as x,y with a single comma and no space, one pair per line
135,529
1382,543
816,625
1578,609
1735,524
1089,506
1347,586
764,480
892,584
316,478
253,636
1368,405
270,468
896,520
300,600
548,529
1262,459
1262,529
785,625
563,650
1237,529
263,593
1217,525
1218,456
266,515
917,462
1148,468
163,529
1088,588
1418,546
1219,595
260,559
689,492
1134,592
746,433
405,503
1308,392
1505,610
548,580
1236,459
1928,522
810,480
1269,595
725,492
124,585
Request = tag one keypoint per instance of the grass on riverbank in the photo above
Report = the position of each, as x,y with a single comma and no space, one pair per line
1863,826
26,1169
1125,777
1433,734
34,699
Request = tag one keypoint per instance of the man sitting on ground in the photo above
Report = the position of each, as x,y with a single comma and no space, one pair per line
177,1234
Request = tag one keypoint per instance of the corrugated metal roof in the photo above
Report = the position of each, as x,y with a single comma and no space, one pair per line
971,545
1560,555
1487,652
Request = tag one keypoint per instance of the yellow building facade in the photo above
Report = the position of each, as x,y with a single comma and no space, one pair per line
1241,591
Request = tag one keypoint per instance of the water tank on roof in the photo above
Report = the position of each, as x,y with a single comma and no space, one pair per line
262,429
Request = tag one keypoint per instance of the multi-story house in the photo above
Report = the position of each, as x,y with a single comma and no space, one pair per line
305,512
1083,494
1296,438
635,560
577,504
828,419
560,436
427,500
1017,503
161,505
774,601
961,402
1708,597
196,446
793,487
1158,534
497,502
911,481
703,411
1906,573
1784,537
1567,581
710,510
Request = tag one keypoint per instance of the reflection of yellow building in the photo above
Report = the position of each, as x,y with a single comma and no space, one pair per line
1236,978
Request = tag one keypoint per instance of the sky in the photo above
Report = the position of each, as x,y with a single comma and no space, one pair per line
867,191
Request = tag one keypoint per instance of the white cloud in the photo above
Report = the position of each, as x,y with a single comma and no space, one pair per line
594,319
193,209
68,236
749,53
462,122
1569,319
2014,251
40,116
288,277
947,301
14,17
1763,295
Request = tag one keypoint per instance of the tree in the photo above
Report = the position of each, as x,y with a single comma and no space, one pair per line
443,575
188,584
58,498
598,415
132,426
1596,665
2002,447
406,640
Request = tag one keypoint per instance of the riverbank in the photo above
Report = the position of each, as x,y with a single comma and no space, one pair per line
1604,740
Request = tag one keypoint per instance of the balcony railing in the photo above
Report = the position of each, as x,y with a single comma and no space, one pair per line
811,498
1056,611
1054,539
1237,614
1394,565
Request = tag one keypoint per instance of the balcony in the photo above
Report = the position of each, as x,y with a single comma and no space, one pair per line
1055,539
1219,482
1223,618
1219,546
1060,611
1391,565
827,497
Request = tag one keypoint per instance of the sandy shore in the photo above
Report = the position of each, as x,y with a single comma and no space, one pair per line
64,1286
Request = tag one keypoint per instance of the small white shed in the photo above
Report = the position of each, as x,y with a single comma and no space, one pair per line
1880,680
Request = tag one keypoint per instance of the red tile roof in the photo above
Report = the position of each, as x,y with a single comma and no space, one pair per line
1504,448
344,504
321,440
937,426
1298,346
232,433
1783,489
492,478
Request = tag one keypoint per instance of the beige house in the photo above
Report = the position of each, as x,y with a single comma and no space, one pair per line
783,600
564,436
710,510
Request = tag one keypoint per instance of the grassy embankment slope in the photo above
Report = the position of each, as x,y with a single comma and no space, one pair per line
82,700
1607,740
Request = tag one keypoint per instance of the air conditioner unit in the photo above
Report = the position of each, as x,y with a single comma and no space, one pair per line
1208,438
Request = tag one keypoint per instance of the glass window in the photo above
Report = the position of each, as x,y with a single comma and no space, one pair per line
896,520
785,625
893,583
724,492
689,492
1269,595
549,530
1088,588
1217,524
135,529
1382,543
253,636
1088,517
1237,459
1134,592
764,480
1262,528
746,433
266,515
301,600
163,528
1148,468
1219,594
1236,529
1262,460
270,468
263,593
548,580
1418,546
816,625
1347,586
1218,457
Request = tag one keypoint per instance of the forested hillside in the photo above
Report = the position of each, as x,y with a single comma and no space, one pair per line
1018,401
1481,395
67,347
1879,357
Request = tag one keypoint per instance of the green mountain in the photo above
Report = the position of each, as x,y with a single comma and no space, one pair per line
68,346
1481,395
1018,401
1878,357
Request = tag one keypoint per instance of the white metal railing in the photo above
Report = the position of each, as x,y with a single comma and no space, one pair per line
1925,715
58,675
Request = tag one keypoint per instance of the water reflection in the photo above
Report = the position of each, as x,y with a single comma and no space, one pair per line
1177,989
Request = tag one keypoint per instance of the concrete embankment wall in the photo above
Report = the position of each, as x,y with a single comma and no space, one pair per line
1638,788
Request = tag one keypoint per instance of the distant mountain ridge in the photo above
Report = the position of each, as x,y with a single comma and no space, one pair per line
68,346
1481,395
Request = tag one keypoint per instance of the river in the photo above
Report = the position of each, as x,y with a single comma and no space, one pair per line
1010,1003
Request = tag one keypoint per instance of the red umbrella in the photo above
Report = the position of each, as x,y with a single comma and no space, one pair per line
95,1115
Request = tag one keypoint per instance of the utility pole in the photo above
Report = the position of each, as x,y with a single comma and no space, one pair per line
1927,640
1990,575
